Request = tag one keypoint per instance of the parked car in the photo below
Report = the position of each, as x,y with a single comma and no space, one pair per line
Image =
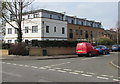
85,49
115,48
102,49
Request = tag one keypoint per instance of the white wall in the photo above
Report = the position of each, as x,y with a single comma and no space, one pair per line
58,34
37,36
26,36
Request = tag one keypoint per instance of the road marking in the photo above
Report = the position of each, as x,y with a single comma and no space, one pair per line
20,65
61,71
8,63
67,69
57,68
51,69
46,66
86,75
102,77
116,80
91,73
106,75
79,71
34,67
14,64
60,64
73,73
114,65
42,68
26,66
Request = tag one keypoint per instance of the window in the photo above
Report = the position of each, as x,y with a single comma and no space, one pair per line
76,32
72,21
82,23
16,41
86,35
47,29
15,31
59,17
81,32
34,29
54,29
26,30
9,30
91,34
36,15
28,16
63,30
9,41
50,16
71,31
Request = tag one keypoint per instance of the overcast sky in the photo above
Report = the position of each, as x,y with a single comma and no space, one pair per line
105,12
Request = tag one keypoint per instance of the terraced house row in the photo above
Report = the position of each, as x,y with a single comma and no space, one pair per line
49,25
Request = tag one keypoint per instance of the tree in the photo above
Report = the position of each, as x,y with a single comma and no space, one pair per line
15,9
105,41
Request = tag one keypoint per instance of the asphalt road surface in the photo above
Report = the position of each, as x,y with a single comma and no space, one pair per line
81,69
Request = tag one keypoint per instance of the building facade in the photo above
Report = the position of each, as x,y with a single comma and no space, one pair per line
49,25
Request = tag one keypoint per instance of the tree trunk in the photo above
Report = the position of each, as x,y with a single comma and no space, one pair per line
19,36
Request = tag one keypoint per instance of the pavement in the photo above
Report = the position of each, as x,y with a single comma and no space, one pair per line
13,57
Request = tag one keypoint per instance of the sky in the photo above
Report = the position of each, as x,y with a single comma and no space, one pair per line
105,12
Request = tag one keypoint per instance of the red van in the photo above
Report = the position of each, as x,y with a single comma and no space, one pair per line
85,49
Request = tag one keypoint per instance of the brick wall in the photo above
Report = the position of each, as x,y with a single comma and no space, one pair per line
52,51
3,52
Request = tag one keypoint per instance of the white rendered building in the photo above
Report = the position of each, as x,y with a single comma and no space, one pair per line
39,25
45,25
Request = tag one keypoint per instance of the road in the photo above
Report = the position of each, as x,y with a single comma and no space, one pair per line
81,69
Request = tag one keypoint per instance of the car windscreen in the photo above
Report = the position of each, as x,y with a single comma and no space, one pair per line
98,47
115,46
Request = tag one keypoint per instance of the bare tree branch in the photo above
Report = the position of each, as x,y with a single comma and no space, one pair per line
8,22
15,8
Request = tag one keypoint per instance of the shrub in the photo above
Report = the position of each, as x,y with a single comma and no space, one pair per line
19,49
6,46
49,43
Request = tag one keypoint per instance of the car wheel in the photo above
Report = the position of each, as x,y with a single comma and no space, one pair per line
104,52
89,54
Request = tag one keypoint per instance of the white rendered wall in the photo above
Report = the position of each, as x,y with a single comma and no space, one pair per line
26,36
54,35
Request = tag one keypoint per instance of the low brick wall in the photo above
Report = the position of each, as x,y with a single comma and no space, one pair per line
52,51
3,52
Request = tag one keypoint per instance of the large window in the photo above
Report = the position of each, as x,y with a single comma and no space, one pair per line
86,35
47,29
91,34
9,41
63,30
81,32
26,30
54,29
76,32
36,15
15,31
34,29
50,16
9,30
